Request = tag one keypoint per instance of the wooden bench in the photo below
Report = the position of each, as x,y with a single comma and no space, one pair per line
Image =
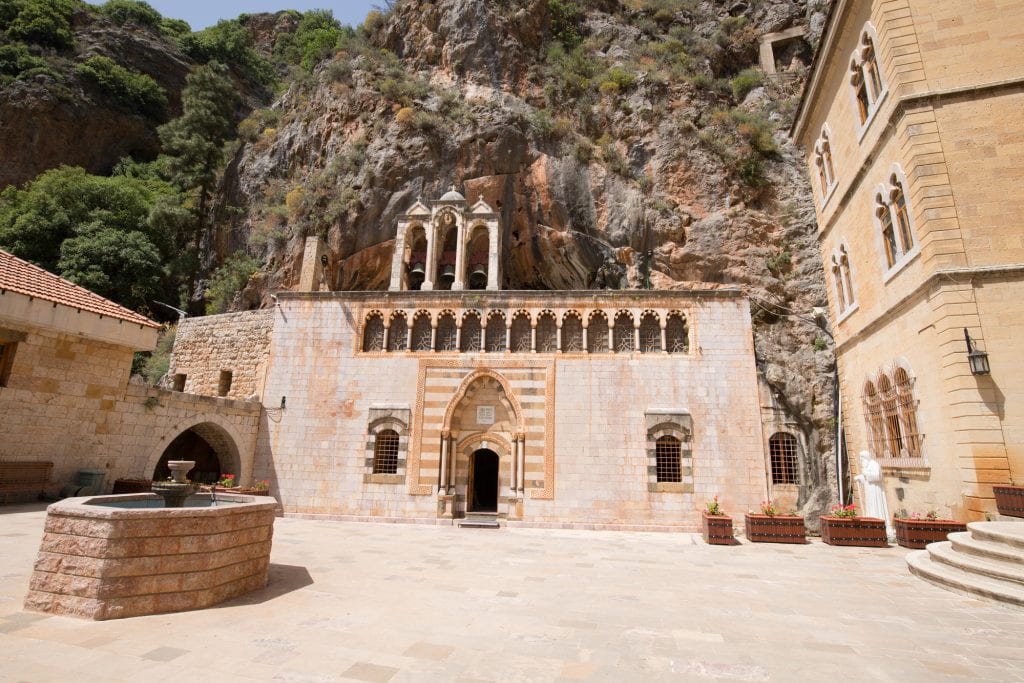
23,480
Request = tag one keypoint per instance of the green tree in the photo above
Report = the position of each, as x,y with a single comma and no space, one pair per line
227,42
228,280
122,266
194,141
46,22
315,38
135,11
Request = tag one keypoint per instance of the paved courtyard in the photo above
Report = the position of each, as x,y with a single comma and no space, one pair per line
379,602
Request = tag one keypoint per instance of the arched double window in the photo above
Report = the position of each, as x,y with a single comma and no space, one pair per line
893,219
823,163
866,78
890,411
842,280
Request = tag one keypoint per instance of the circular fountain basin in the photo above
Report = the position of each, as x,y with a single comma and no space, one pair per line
109,557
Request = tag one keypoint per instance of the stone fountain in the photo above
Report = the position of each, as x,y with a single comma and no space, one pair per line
176,490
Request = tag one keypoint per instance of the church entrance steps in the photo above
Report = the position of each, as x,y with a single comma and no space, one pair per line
987,561
480,520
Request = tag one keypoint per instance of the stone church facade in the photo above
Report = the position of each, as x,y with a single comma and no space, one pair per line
911,121
446,397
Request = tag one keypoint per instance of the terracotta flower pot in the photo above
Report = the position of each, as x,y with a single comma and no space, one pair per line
860,531
1009,500
775,528
917,533
718,529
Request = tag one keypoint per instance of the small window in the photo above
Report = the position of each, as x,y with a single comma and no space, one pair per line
385,452
179,381
667,453
677,333
224,385
447,332
782,448
373,332
6,361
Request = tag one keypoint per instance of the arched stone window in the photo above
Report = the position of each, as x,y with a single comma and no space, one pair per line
624,332
398,332
373,332
447,334
496,331
667,452
421,332
893,428
677,334
472,334
842,280
875,419
521,333
893,219
823,163
783,451
387,445
907,407
597,333
547,332
837,279
866,80
572,333
385,452
650,333
477,258
891,413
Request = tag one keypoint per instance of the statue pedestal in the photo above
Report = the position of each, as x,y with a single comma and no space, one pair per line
445,506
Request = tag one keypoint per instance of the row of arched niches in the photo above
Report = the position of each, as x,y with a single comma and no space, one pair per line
496,331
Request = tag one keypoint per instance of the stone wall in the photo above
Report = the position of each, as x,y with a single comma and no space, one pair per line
207,347
582,418
68,400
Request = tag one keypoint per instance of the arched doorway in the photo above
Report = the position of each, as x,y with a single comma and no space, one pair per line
212,448
483,481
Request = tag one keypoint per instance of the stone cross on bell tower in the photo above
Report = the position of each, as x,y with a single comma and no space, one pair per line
445,245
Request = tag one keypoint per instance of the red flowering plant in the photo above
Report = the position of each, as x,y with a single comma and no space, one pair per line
769,508
262,485
843,510
226,480
713,507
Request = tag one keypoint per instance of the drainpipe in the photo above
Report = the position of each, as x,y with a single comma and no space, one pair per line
839,437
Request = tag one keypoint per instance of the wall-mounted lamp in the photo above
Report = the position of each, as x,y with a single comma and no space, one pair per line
283,398
323,260
977,359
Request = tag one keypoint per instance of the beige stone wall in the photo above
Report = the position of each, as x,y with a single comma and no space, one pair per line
948,120
238,343
582,417
68,401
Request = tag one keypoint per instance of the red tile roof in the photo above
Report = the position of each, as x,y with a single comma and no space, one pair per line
24,278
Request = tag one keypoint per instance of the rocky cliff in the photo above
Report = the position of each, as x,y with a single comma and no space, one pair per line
600,134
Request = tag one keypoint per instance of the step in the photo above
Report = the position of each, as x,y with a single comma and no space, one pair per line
920,564
479,520
945,553
1009,533
963,542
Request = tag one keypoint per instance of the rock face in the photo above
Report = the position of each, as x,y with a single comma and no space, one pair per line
590,162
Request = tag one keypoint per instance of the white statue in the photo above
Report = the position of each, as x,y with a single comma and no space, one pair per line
872,493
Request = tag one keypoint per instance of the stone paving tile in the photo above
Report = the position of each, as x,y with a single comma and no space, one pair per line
413,603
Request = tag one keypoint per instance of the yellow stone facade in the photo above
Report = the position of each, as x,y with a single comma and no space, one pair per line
912,118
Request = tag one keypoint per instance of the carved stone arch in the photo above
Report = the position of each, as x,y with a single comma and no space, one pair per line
219,433
515,408
472,312
472,442
388,422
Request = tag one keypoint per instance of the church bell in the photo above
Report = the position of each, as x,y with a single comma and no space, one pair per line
448,273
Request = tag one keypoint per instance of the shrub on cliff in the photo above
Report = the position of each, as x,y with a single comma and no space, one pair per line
136,91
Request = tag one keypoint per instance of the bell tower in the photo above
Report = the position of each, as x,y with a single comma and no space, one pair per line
447,246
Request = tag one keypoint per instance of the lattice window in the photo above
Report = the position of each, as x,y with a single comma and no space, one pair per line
398,332
650,333
784,454
373,332
875,419
667,452
547,333
677,333
447,334
421,332
572,333
521,333
496,331
472,334
597,333
385,452
624,334
907,408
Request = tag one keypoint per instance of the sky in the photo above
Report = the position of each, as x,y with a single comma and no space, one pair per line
202,13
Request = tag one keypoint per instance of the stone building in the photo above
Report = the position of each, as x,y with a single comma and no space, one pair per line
446,396
912,125
65,395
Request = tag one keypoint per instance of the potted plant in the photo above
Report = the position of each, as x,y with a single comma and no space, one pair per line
717,525
842,526
1009,499
915,531
772,527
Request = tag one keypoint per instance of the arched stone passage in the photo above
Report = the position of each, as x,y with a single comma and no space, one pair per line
210,445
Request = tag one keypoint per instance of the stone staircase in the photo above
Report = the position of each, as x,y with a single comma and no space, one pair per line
480,520
987,560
